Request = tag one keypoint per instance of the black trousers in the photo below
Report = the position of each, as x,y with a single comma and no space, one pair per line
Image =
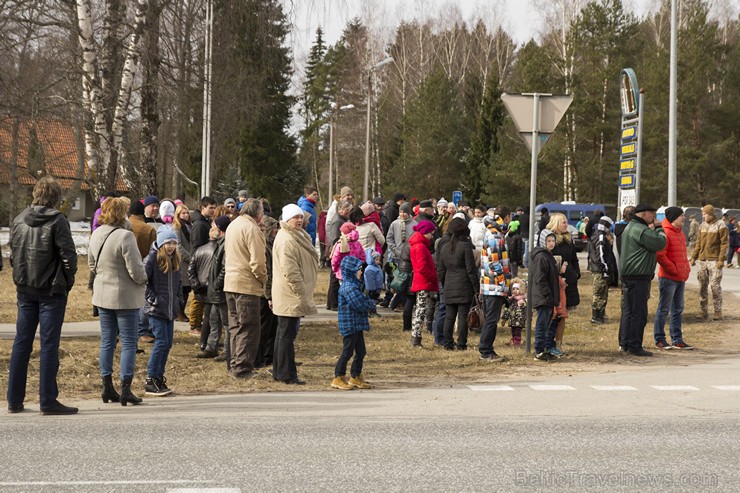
283,362
635,296
268,328
332,296
459,311
352,344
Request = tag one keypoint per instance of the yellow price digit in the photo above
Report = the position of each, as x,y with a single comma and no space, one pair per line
628,149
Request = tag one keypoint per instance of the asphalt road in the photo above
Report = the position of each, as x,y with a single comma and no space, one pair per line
669,428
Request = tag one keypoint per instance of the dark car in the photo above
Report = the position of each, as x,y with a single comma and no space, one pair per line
579,239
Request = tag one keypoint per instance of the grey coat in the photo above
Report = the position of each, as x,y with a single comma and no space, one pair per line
394,239
185,250
120,278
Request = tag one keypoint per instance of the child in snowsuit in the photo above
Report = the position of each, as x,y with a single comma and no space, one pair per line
373,275
516,313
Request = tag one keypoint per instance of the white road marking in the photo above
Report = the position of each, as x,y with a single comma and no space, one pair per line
613,387
92,483
673,387
727,387
490,388
551,387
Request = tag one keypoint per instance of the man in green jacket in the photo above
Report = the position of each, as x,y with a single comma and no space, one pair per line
641,240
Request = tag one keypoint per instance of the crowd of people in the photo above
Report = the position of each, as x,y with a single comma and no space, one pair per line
252,274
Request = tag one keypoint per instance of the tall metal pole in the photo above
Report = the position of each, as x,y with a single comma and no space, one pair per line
532,205
672,106
367,137
331,158
205,171
638,157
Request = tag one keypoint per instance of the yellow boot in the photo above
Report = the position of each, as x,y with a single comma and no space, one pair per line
359,382
341,384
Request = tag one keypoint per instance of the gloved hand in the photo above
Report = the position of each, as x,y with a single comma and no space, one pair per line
720,264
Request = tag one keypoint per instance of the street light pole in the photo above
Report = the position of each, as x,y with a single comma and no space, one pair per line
672,107
366,180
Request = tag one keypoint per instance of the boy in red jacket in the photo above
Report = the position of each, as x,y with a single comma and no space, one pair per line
672,275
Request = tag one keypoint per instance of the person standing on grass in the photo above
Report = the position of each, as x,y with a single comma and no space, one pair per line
424,283
118,293
495,280
711,252
545,286
219,321
672,275
163,302
602,264
244,285
44,261
641,240
354,310
200,230
199,271
182,227
295,267
268,320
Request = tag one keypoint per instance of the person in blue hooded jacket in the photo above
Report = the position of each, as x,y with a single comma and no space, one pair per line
373,274
354,310
308,204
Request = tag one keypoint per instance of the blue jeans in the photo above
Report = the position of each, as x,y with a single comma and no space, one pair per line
164,331
439,319
544,329
491,313
145,328
118,324
46,312
670,299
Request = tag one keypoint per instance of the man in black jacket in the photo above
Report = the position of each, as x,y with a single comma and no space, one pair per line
44,261
199,237
545,291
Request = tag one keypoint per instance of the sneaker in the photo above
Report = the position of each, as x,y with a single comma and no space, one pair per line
153,388
555,352
663,345
359,382
543,356
491,358
341,383
639,352
163,384
683,345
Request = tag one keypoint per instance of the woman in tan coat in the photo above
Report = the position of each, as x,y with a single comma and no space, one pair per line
295,266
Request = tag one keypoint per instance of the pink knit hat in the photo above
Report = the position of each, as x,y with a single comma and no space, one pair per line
425,227
347,227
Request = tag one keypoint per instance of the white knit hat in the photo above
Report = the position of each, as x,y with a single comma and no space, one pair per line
290,211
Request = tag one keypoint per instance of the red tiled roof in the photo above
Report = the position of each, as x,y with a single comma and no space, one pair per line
58,143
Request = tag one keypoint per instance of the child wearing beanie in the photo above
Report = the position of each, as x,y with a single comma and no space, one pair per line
348,244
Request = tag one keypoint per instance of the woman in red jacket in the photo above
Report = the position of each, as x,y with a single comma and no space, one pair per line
672,275
424,282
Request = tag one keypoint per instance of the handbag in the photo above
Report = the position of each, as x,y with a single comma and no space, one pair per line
475,315
93,272
400,282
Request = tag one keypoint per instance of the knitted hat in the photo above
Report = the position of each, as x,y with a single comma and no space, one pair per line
378,201
290,211
243,193
347,227
345,191
442,202
399,196
405,207
229,201
644,208
672,213
222,222
461,215
425,227
708,209
136,208
167,210
607,221
367,208
457,226
165,235
152,199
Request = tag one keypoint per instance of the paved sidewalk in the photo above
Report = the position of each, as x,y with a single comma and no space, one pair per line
92,328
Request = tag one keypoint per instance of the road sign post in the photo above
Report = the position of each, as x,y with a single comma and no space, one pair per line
535,116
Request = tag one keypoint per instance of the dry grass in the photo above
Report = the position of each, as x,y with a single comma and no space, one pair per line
391,362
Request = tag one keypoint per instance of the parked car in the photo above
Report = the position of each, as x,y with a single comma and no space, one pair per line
579,239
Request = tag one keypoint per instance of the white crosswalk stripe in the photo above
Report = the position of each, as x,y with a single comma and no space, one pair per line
490,388
618,388
673,388
551,387
733,388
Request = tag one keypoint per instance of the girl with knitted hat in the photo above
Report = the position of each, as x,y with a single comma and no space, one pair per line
348,244
424,283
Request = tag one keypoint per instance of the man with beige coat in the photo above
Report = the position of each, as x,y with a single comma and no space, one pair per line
295,266
711,251
244,284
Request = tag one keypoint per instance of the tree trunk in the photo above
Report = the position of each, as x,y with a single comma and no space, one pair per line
149,107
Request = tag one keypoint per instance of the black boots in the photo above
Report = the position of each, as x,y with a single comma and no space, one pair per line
109,393
126,394
598,317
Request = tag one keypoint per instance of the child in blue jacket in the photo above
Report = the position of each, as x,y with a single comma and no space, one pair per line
373,274
354,308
